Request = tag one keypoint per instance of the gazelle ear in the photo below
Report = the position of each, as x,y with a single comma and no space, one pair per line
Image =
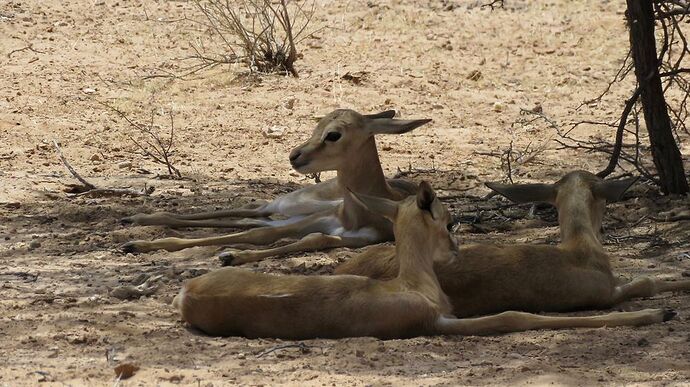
383,114
425,196
525,193
392,126
382,206
613,190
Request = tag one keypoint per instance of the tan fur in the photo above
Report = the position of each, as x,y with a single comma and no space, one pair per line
330,220
234,301
576,274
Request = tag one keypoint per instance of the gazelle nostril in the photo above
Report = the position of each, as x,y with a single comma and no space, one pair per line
294,155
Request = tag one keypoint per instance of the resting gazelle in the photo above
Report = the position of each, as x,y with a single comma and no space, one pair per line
319,215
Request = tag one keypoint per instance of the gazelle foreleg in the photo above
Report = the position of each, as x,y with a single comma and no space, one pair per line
507,322
647,287
311,242
320,222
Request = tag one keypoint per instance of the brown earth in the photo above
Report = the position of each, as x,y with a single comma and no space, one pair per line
468,68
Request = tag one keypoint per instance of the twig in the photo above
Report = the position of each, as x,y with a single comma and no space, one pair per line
494,4
100,192
74,173
152,145
29,48
92,190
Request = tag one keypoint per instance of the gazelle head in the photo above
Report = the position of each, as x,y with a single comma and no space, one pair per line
577,194
341,134
418,220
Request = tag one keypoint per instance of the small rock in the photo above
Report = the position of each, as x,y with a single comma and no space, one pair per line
289,103
498,107
95,157
642,342
88,90
124,164
275,131
34,244
685,273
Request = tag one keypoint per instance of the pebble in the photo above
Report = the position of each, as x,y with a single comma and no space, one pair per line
498,107
289,103
275,131
34,244
124,164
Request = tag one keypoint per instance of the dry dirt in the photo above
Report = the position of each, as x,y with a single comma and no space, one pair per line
59,256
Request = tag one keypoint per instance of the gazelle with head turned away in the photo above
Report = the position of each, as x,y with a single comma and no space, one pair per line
320,215
576,274
238,302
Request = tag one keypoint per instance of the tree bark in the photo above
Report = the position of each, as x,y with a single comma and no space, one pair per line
667,157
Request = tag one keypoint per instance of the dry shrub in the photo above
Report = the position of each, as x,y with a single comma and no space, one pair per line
258,33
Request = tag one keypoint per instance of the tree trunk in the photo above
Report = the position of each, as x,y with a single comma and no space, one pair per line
667,157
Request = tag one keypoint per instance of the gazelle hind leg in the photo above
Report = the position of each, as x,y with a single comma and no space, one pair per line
321,222
311,242
507,322
253,210
647,287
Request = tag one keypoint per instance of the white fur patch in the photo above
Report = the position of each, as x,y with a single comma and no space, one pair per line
291,205
276,295
179,298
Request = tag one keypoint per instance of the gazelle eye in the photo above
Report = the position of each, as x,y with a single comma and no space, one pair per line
449,227
333,136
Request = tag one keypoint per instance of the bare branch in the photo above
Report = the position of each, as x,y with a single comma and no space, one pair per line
152,145
71,169
615,155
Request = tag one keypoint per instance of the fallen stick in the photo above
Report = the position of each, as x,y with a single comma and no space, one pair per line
91,189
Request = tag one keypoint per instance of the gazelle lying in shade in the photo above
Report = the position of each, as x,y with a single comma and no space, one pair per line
576,274
343,141
233,301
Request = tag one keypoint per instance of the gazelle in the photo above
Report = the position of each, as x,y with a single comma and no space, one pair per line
576,274
343,141
234,301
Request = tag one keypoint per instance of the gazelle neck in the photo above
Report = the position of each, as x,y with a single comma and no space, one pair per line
579,224
416,257
362,172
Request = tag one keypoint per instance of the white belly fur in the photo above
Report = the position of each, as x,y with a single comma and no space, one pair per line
291,205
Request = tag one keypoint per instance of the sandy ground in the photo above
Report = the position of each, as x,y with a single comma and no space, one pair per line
59,257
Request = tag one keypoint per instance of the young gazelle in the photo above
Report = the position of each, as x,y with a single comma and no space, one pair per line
234,301
484,279
342,141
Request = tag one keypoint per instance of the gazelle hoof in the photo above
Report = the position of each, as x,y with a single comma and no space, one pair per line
669,314
130,247
228,258
127,220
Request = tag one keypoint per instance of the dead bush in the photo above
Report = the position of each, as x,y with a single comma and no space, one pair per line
261,34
